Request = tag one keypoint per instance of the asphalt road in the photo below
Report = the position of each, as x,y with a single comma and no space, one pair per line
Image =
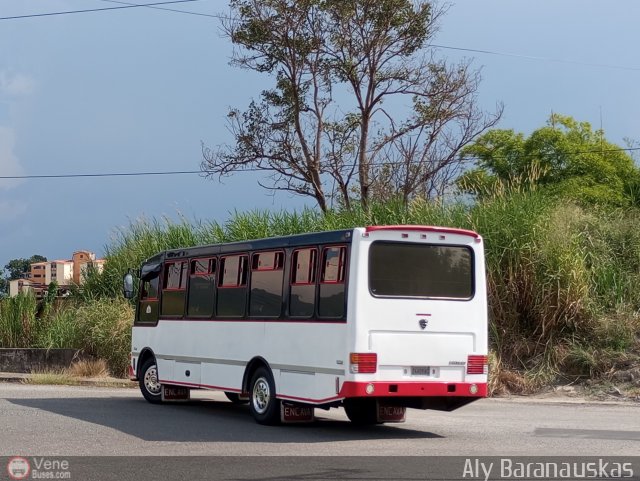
87,421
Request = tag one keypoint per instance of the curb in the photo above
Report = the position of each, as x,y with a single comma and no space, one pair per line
24,378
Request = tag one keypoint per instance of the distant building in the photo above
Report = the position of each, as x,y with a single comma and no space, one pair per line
63,272
16,286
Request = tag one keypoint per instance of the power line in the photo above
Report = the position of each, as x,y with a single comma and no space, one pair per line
68,12
175,10
107,174
532,57
222,17
255,169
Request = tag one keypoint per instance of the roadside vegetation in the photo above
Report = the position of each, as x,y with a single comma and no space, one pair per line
562,283
100,327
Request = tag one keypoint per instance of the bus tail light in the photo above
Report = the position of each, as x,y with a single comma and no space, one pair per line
363,363
477,364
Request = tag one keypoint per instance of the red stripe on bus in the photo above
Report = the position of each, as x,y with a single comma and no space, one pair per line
190,384
228,389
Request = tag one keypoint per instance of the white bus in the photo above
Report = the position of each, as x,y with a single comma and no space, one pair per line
373,319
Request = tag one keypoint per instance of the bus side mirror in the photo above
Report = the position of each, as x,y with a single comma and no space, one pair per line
127,288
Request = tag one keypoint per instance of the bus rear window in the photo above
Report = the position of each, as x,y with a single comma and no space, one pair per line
398,269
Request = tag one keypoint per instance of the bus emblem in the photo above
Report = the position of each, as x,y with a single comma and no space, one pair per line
423,323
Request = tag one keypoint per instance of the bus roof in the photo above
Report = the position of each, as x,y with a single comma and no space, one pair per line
328,237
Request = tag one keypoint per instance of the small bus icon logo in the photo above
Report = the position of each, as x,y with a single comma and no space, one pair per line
18,468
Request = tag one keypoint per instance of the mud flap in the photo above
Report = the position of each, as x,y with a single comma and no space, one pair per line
175,393
390,414
296,413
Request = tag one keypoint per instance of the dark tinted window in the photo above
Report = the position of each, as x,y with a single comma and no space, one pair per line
267,275
175,275
150,288
332,288
420,270
174,289
232,290
302,297
202,288
148,308
233,271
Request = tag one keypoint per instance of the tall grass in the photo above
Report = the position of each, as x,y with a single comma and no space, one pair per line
18,320
562,279
101,328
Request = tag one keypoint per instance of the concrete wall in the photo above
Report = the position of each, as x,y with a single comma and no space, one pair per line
28,360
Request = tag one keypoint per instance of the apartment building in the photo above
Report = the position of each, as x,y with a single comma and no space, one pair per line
63,272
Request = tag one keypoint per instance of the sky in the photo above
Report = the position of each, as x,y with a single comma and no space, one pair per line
140,89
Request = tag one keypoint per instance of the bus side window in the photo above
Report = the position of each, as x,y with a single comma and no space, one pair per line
202,283
332,286
148,310
150,289
302,299
267,274
174,289
232,286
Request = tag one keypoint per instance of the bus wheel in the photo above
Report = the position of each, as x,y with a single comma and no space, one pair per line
234,397
148,381
263,404
361,411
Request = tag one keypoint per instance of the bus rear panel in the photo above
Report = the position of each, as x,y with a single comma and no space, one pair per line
417,317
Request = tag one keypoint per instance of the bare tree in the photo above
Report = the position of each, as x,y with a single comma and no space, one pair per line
336,124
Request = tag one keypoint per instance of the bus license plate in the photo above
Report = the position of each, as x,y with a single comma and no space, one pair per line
420,370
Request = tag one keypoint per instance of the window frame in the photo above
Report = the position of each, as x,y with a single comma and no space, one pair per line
294,267
213,261
279,266
212,270
434,298
245,273
143,290
182,271
275,266
342,263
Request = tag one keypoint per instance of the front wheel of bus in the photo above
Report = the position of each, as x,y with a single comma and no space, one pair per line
149,383
263,404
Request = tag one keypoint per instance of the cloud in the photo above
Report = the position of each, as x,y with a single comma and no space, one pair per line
16,84
11,209
9,164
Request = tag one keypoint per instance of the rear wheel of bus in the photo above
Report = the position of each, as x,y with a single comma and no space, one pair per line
264,406
149,383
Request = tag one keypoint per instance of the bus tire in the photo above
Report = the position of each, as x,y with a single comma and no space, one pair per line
362,412
234,397
148,381
264,406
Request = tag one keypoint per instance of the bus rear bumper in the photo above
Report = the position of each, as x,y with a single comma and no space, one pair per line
439,396
387,389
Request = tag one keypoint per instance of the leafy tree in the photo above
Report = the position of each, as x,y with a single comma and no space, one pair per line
16,269
566,157
361,108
